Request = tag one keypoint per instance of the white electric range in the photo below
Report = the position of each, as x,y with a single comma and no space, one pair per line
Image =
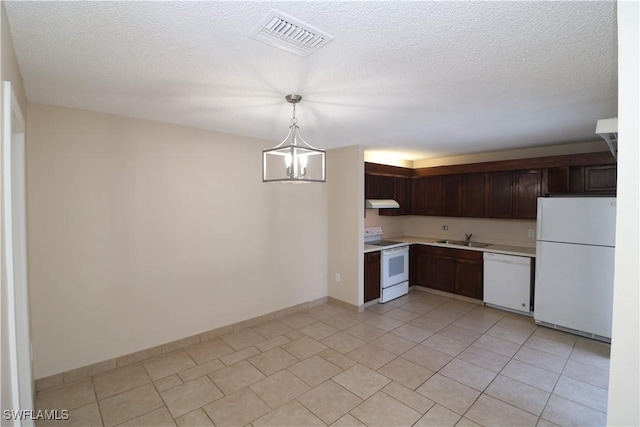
394,274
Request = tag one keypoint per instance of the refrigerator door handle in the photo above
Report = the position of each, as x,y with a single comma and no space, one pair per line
538,269
540,218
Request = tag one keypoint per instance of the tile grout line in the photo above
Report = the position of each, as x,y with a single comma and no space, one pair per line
363,321
95,394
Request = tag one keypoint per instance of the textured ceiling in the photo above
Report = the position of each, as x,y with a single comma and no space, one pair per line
418,78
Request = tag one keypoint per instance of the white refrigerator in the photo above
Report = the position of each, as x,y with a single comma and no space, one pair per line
575,252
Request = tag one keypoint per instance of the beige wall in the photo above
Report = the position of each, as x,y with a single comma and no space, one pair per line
624,381
499,231
141,233
345,183
391,225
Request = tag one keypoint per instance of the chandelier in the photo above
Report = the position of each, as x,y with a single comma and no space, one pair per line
293,160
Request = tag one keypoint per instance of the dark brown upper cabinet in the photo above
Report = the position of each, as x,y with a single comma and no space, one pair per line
600,179
582,179
418,194
402,195
500,189
527,189
558,180
452,195
434,201
378,186
499,195
473,194
427,196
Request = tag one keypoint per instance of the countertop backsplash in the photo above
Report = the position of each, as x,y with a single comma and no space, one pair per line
490,230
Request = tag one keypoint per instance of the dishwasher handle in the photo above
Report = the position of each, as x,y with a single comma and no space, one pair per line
507,259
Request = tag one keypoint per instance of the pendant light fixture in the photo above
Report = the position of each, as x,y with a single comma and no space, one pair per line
293,160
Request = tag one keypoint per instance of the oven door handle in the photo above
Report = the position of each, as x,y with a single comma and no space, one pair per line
392,251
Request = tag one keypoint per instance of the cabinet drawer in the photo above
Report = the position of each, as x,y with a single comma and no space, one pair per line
469,254
435,250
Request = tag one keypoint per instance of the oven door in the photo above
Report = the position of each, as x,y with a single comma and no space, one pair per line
395,266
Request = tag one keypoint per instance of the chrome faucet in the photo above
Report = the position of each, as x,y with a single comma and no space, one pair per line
467,237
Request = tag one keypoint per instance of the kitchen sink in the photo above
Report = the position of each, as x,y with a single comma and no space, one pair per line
464,243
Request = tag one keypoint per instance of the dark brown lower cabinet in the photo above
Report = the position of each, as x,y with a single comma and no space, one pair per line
456,271
372,266
469,274
444,269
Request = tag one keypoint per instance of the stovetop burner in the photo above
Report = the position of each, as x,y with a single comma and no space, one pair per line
383,243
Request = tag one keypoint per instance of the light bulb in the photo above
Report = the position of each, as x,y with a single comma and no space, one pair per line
302,161
287,163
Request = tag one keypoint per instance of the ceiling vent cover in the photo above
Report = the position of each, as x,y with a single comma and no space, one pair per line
287,33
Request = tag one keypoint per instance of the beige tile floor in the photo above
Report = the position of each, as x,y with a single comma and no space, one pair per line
422,360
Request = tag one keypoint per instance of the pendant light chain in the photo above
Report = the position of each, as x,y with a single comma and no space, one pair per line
294,121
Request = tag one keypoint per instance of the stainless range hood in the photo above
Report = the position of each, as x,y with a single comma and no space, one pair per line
381,204
608,130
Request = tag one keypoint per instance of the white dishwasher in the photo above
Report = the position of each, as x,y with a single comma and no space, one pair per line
507,282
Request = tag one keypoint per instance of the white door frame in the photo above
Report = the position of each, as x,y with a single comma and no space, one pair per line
15,248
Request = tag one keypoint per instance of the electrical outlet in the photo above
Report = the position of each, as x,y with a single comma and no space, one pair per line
531,232
445,228
338,277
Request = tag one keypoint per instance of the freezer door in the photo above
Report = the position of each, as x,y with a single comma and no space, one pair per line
574,286
583,220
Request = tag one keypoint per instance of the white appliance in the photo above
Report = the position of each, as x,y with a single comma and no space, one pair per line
394,273
381,204
507,282
575,253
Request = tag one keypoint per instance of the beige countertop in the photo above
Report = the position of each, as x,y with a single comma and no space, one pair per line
495,248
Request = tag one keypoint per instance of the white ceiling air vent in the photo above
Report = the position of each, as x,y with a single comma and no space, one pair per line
608,130
287,33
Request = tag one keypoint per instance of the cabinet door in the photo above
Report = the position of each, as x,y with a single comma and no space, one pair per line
401,195
371,186
418,195
468,273
444,269
473,191
452,195
499,197
385,187
558,180
600,179
413,264
424,265
372,266
527,189
434,201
